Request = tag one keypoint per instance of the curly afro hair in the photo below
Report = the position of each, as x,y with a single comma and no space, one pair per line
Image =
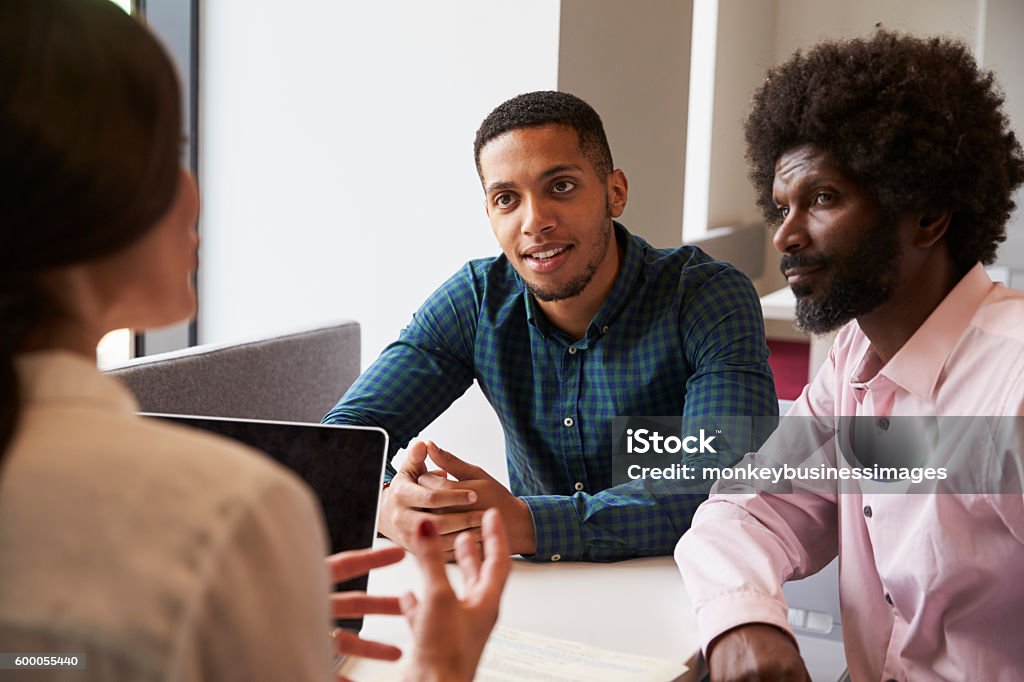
547,107
914,121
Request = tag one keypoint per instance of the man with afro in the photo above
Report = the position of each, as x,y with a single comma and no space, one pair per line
886,167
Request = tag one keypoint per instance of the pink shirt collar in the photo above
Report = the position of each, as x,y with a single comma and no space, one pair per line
917,366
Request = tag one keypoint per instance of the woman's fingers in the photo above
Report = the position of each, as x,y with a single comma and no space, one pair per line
358,604
347,565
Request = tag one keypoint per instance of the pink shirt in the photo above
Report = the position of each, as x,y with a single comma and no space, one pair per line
931,585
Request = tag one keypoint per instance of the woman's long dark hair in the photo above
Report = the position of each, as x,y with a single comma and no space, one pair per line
90,128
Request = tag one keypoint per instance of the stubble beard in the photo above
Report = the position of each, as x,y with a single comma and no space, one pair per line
576,285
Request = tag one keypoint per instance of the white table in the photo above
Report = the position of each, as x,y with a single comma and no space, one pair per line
636,607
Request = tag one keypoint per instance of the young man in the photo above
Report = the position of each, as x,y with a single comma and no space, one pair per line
888,169
577,322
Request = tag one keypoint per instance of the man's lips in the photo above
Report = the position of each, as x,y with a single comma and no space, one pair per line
800,275
798,268
546,257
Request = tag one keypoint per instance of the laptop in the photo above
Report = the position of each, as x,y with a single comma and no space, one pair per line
344,465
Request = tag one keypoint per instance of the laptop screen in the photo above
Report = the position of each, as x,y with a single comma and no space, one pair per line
344,465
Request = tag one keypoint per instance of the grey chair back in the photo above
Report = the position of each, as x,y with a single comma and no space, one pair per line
296,376
741,245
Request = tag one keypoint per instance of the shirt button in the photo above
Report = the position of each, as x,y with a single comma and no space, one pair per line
867,512
888,599
572,351
568,421
883,424
604,329
556,557
578,486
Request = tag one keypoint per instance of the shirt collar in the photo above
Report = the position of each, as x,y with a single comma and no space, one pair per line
534,315
919,363
622,289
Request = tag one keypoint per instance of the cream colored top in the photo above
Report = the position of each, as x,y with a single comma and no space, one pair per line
159,552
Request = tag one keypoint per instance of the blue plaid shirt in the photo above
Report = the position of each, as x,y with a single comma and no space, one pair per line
679,334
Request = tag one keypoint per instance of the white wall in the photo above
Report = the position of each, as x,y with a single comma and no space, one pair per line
337,170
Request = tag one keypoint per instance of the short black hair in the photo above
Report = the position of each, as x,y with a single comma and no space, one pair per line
913,121
548,107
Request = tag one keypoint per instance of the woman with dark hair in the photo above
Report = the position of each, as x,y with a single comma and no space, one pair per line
158,552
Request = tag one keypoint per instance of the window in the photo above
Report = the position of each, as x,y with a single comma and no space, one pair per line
115,348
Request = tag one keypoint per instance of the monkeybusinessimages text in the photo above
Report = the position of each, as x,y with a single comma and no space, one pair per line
645,441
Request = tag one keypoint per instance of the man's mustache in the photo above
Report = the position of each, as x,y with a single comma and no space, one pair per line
793,260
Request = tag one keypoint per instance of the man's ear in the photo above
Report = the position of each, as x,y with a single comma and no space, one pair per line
931,227
618,192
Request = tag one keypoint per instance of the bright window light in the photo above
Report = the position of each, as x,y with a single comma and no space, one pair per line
114,348
699,120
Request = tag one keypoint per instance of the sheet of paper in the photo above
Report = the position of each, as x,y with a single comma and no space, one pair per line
515,655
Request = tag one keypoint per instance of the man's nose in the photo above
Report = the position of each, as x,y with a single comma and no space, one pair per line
791,235
538,217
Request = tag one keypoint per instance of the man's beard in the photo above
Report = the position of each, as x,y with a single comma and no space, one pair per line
576,285
859,282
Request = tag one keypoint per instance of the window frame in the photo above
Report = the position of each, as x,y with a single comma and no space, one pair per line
177,24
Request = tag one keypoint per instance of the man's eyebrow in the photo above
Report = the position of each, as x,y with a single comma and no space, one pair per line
499,185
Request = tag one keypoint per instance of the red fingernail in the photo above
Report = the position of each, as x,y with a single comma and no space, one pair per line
427,530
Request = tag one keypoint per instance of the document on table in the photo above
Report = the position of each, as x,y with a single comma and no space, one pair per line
515,655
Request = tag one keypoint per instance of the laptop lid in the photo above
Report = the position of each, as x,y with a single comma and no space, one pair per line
344,465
